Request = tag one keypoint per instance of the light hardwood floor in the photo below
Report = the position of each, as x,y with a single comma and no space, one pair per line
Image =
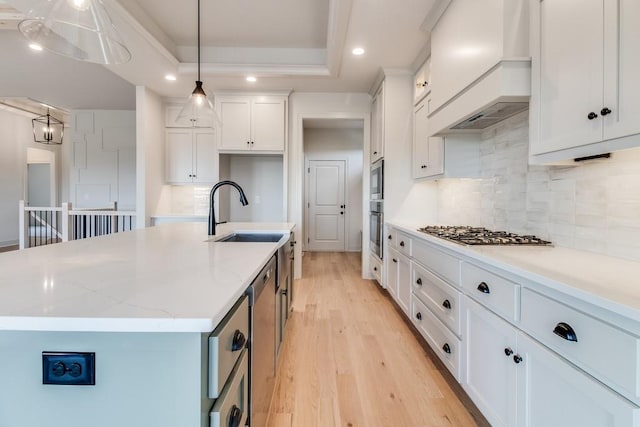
349,358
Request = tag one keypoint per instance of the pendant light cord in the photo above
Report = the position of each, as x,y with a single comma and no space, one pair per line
198,40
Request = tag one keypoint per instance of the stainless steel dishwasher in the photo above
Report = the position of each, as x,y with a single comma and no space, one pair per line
262,370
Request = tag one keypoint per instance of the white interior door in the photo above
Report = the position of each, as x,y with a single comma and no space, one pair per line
326,205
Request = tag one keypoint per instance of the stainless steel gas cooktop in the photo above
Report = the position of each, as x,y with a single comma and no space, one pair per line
481,236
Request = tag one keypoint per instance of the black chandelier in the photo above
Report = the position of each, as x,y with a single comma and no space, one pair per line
47,129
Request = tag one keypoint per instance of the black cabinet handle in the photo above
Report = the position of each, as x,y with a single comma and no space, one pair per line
235,417
419,281
517,358
390,237
605,111
239,340
375,268
446,348
394,260
402,244
508,352
484,288
592,115
248,142
341,213
375,152
446,304
563,330
251,142
419,316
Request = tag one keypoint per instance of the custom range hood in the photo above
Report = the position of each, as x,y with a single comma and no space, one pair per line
480,65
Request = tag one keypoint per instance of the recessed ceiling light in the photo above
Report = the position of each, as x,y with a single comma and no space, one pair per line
251,79
170,77
358,51
35,46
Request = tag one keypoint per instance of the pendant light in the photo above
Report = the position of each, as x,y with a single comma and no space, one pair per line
198,105
79,29
47,129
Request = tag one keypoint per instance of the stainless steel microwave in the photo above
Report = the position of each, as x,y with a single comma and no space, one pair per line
377,180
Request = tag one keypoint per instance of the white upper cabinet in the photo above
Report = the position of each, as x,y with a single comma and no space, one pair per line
171,119
585,88
191,156
252,123
377,125
422,82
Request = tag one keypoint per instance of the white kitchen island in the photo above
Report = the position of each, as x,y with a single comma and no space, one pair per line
144,302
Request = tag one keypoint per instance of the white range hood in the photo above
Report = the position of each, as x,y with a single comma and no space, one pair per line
480,65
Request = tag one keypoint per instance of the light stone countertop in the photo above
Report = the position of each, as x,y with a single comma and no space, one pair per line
167,278
607,282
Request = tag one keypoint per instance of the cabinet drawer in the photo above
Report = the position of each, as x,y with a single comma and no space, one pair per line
442,299
376,267
226,343
404,244
498,294
446,345
233,403
604,351
445,266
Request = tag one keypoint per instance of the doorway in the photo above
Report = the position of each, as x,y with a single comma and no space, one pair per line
41,184
333,184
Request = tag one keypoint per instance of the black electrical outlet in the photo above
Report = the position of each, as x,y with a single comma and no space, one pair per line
63,368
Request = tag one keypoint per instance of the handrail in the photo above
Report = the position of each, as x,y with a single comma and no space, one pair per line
103,213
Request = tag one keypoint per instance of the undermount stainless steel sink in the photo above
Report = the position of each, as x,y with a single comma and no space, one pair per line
252,237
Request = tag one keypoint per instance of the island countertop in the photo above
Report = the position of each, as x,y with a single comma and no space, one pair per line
169,278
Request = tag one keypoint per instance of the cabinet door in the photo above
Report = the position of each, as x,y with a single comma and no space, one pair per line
404,284
235,113
267,124
392,273
420,141
622,68
490,375
551,392
204,156
171,117
377,142
179,156
571,74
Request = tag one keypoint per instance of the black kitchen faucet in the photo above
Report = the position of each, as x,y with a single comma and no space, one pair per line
212,216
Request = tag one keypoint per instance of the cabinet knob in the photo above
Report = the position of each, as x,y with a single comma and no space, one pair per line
565,331
394,260
605,111
251,142
446,304
446,348
239,340
484,288
592,115
375,268
419,316
402,244
508,352
390,237
375,152
419,281
423,167
517,359
248,142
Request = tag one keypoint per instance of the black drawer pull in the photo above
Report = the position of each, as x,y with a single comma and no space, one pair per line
446,348
375,268
394,260
402,244
239,340
235,416
508,352
419,316
419,281
484,288
390,237
563,330
517,359
446,304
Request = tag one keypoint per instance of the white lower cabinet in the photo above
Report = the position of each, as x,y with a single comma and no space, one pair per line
399,279
551,392
516,381
392,273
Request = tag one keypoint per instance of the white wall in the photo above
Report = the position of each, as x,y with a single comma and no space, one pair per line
150,151
321,105
593,207
342,144
103,168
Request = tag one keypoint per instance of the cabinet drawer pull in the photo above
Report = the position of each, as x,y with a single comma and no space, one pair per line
375,268
375,152
563,330
419,281
390,237
508,352
394,260
484,288
605,111
592,115
402,244
446,348
446,304
235,416
517,359
419,316
239,340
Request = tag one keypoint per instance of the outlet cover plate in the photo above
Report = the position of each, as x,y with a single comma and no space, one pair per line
68,368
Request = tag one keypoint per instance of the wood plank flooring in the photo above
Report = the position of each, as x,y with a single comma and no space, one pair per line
349,358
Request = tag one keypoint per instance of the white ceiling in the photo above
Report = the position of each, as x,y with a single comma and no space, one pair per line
302,45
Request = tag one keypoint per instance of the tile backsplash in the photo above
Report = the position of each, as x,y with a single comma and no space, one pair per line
594,206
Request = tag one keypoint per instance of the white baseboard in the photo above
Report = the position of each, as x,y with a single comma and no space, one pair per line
8,243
